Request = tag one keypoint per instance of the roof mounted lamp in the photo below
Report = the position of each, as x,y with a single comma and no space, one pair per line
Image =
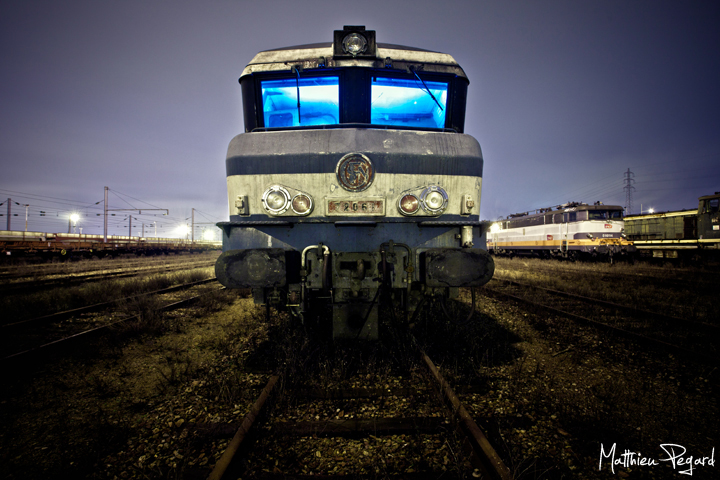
354,41
354,44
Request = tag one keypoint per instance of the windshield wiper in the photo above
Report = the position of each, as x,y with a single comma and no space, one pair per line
425,86
297,85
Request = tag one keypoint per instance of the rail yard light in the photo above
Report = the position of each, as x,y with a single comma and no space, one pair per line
494,228
74,217
183,230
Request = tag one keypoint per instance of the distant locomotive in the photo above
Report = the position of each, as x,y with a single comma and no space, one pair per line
353,178
572,230
683,233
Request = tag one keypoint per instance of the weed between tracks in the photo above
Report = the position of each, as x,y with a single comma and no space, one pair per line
547,392
336,366
36,268
19,307
572,389
672,290
66,421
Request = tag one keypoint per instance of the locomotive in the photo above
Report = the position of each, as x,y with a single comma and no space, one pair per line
572,230
684,233
353,178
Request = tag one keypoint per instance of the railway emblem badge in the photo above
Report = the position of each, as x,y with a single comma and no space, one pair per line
355,172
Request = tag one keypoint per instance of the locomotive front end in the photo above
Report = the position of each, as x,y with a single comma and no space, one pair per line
353,179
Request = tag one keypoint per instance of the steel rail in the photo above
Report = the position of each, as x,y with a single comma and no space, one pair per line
604,326
639,272
56,317
138,266
649,274
490,461
31,285
228,455
486,458
93,331
634,310
48,269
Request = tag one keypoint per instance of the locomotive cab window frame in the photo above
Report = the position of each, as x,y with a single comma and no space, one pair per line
569,217
270,99
409,100
304,100
711,205
603,215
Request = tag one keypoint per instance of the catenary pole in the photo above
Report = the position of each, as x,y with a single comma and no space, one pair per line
105,215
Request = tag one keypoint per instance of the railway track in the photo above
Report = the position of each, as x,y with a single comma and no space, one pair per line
515,394
39,336
675,277
67,280
394,426
35,270
689,338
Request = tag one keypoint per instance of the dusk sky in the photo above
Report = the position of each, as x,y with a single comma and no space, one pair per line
143,97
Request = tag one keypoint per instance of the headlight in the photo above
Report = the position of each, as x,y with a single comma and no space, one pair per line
408,204
302,204
354,44
434,199
276,200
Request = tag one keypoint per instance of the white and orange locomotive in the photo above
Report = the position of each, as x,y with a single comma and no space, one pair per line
573,230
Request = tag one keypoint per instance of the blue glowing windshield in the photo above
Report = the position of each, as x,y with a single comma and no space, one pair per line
397,101
319,103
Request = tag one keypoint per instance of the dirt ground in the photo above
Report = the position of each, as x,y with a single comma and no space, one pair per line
552,395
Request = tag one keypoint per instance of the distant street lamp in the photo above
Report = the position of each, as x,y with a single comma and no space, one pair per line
74,219
183,230
208,235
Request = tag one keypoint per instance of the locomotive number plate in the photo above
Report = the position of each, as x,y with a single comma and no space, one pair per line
359,207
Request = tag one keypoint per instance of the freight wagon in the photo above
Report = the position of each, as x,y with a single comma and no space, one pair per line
13,243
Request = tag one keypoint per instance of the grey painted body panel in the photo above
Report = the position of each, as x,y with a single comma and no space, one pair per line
312,56
306,161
